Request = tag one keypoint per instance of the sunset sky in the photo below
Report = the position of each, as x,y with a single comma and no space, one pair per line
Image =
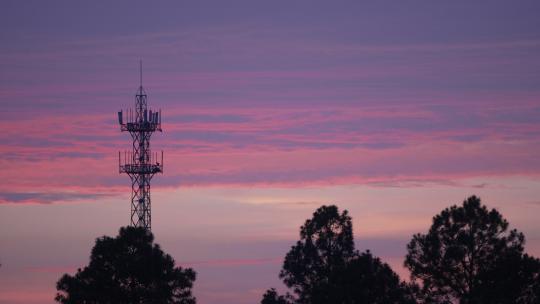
392,110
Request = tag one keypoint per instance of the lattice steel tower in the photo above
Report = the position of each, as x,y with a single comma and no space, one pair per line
140,163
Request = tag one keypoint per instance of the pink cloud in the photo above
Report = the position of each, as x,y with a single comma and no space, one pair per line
65,154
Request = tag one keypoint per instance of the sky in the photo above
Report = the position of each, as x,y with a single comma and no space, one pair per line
392,110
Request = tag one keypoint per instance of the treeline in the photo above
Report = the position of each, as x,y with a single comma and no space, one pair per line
468,256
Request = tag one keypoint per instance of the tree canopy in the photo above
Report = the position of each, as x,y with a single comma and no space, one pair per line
129,268
326,245
272,297
324,267
469,255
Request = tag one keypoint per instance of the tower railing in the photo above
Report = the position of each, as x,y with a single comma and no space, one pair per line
127,164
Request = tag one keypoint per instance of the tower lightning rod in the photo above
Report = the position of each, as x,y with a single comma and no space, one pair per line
139,164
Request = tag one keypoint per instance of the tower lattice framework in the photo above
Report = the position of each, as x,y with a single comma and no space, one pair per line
140,164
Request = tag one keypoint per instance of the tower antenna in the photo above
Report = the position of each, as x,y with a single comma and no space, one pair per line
140,164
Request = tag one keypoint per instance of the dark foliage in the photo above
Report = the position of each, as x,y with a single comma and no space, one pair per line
368,280
271,297
470,256
529,278
324,267
326,245
513,279
128,269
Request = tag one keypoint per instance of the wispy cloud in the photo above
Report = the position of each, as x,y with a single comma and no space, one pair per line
375,145
49,197
260,105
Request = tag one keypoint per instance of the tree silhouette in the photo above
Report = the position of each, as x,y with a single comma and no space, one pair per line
470,256
513,279
368,280
529,280
271,297
324,267
128,269
326,245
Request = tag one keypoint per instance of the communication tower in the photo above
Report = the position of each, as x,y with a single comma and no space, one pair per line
140,164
